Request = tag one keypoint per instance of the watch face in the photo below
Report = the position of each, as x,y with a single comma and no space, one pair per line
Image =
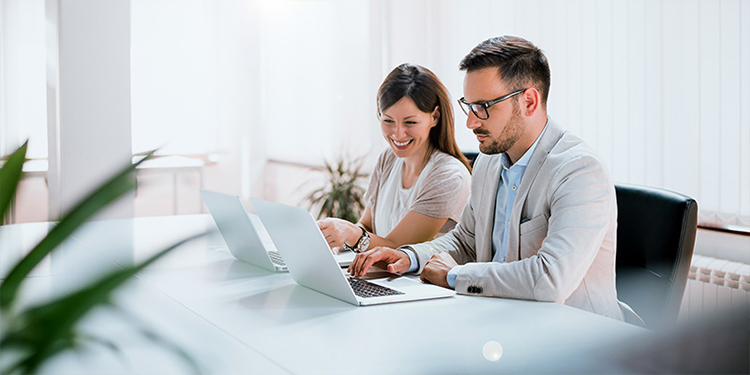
365,243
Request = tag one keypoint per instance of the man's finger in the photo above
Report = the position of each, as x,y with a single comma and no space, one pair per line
353,267
400,266
423,278
369,260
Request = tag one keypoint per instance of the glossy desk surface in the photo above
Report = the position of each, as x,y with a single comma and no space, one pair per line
232,317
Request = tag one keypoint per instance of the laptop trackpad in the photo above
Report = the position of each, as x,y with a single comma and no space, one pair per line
393,281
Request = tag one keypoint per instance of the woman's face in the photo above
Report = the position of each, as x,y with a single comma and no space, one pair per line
407,129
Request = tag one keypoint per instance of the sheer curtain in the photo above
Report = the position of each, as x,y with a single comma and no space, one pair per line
23,77
174,76
661,89
318,89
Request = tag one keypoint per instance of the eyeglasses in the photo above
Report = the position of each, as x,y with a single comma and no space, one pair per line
480,109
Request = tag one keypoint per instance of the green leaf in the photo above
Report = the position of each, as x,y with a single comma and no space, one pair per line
109,344
48,328
340,197
107,193
10,175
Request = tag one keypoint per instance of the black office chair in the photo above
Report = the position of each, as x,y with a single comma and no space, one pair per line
471,156
655,237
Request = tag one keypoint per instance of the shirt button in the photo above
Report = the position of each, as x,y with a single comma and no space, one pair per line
514,187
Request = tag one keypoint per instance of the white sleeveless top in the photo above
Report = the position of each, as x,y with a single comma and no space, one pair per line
394,199
441,191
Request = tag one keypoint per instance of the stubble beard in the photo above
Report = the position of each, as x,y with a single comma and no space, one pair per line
508,137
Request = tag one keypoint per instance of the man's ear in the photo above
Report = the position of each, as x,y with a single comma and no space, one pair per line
531,101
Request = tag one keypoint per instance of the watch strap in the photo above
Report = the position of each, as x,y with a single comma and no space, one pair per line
356,248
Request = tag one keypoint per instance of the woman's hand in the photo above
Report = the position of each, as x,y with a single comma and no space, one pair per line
338,231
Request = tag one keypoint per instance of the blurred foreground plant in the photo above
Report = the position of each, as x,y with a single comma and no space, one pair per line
340,197
30,336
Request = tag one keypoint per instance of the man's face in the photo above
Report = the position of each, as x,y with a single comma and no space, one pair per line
505,125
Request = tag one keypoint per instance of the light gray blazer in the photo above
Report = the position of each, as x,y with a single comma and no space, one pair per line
562,236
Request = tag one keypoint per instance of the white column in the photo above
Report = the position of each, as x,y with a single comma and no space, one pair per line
52,32
91,138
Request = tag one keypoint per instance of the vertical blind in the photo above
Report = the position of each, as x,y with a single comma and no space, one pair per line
660,88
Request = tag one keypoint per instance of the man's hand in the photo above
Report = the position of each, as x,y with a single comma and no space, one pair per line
436,269
394,261
337,231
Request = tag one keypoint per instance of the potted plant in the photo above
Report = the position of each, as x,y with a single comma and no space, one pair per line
31,335
341,197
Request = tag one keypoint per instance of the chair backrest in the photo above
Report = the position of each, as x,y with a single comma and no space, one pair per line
471,156
655,238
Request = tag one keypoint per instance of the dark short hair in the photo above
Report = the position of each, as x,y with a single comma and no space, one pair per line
520,63
427,92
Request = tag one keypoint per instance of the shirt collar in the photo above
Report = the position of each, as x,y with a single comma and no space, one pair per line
524,160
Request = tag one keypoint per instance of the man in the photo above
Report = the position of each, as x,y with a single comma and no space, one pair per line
541,220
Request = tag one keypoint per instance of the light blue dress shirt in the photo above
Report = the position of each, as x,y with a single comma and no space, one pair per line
510,181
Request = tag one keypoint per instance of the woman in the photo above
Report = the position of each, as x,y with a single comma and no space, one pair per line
421,182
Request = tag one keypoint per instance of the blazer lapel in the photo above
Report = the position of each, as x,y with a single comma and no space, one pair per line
550,137
485,208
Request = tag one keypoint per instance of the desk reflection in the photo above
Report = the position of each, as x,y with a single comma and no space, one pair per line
237,318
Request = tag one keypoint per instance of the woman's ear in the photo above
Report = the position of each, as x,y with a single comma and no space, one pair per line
435,116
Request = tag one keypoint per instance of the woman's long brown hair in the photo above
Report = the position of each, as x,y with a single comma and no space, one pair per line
427,92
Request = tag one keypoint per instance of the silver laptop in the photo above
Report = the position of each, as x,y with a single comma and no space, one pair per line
245,235
312,264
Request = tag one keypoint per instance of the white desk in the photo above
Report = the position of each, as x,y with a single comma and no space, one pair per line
236,318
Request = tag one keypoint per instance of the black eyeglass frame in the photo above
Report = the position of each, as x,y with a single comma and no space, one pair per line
463,104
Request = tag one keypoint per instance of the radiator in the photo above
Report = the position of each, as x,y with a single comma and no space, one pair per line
713,285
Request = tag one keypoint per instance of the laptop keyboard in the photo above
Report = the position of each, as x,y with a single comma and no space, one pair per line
276,258
366,289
